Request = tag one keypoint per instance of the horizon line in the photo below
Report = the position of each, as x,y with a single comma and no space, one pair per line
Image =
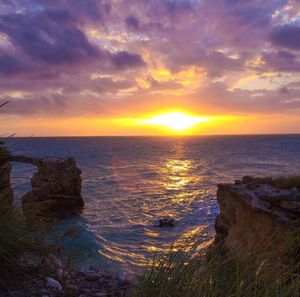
154,135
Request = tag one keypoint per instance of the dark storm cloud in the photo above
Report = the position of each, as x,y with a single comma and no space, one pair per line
287,36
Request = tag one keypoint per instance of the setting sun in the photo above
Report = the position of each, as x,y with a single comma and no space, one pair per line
177,121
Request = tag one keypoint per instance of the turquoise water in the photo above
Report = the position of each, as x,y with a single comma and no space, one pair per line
129,183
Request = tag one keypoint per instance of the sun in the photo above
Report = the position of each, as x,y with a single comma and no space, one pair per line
176,121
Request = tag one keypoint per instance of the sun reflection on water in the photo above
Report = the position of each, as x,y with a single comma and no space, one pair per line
177,174
168,186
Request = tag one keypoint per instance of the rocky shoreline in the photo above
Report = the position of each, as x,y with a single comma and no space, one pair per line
93,282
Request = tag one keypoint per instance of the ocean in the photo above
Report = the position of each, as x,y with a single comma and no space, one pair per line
129,183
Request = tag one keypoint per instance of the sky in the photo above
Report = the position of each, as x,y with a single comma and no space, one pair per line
99,67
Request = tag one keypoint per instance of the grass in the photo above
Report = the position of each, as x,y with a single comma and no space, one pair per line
195,273
287,182
21,241
19,244
24,246
24,243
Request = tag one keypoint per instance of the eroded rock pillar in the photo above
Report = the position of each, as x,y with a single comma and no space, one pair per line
56,188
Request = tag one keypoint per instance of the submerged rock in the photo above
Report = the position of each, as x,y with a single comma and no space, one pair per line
167,222
56,187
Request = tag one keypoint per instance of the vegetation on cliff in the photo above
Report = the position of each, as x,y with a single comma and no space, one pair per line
19,242
218,273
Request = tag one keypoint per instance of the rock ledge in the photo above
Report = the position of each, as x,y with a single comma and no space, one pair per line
255,214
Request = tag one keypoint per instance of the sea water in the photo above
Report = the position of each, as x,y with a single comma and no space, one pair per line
129,183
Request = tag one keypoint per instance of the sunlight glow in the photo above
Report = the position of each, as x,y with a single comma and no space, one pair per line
177,121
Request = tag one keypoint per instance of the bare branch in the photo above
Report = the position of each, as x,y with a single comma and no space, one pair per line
1,105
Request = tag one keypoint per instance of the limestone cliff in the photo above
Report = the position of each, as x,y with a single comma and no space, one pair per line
255,215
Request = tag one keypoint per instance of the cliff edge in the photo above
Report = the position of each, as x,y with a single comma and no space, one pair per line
258,214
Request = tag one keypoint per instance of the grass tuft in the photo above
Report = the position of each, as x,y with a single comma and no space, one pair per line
195,274
20,244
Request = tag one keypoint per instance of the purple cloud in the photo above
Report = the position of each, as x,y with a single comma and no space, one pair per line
132,22
9,65
74,55
283,61
123,60
287,36
48,37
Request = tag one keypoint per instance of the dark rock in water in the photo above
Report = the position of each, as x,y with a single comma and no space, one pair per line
167,222
56,187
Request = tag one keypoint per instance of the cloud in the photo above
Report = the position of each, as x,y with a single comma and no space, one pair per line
123,60
9,65
287,36
283,61
54,105
218,97
101,57
132,22
88,11
214,62
49,37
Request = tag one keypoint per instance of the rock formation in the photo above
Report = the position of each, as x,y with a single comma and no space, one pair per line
255,215
6,194
167,222
56,187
